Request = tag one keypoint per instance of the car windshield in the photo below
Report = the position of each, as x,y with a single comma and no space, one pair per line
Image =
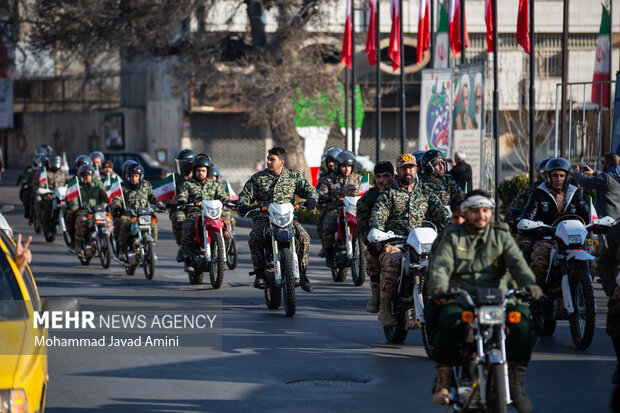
149,160
11,299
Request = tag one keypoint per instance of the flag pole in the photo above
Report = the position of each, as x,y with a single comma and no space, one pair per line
378,99
353,82
611,49
123,197
403,120
495,107
47,181
431,29
79,192
462,29
532,95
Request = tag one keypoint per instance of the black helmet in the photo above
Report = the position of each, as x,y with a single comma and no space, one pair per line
201,160
40,150
40,160
134,168
429,159
555,164
214,172
54,163
418,159
85,170
126,165
83,160
346,158
49,151
184,160
97,154
331,152
540,170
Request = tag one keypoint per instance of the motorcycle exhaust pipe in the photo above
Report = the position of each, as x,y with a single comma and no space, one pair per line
566,296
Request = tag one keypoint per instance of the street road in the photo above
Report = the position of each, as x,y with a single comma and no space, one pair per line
331,356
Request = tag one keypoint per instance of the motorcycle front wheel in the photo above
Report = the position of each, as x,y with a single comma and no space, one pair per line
429,347
288,280
339,274
217,267
232,257
496,390
105,251
49,233
358,267
273,296
583,319
149,260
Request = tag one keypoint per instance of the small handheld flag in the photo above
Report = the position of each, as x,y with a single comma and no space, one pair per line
165,189
365,184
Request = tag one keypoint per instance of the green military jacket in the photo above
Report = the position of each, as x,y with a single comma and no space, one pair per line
445,188
364,209
26,176
400,211
140,197
337,187
54,179
609,260
91,195
521,199
468,258
195,191
265,188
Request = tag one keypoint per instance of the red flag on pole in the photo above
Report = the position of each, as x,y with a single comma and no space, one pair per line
423,30
601,64
523,26
347,43
488,17
371,40
394,47
454,29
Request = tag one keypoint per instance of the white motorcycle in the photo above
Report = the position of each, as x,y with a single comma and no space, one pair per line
568,283
408,298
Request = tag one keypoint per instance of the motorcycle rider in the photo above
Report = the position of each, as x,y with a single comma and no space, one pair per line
55,179
384,175
552,199
25,182
34,184
330,155
196,189
183,161
91,195
276,184
518,203
107,168
435,177
97,158
401,207
475,255
137,193
334,187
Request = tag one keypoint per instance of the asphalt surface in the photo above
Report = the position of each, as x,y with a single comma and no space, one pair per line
331,355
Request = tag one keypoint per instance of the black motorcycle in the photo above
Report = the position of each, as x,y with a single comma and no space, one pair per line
96,243
140,251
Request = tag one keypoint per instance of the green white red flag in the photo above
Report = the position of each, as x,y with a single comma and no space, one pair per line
165,189
43,175
593,213
231,192
442,44
73,189
365,184
113,187
600,92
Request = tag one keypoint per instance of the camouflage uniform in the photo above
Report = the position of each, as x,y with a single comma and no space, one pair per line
25,192
43,203
400,211
323,210
444,188
195,191
265,188
137,197
609,267
364,209
177,217
335,186
77,221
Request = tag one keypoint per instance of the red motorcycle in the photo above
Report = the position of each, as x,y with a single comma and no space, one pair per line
348,248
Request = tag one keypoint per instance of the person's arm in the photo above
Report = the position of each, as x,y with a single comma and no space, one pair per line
183,196
220,193
513,258
442,265
609,260
322,188
246,196
23,255
531,208
582,208
363,217
352,188
305,190
437,210
596,182
470,185
103,197
380,212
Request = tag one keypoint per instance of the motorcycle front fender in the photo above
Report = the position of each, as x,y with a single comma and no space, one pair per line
495,356
147,237
283,234
579,255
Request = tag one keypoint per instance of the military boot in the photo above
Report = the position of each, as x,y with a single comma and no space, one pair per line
442,385
189,263
122,251
373,304
329,254
385,311
516,375
180,254
259,281
305,282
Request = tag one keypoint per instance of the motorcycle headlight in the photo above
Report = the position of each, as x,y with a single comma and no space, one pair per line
100,216
574,239
425,248
491,314
145,220
213,213
282,220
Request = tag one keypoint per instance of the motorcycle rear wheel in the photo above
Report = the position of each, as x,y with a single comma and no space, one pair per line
496,390
358,267
149,260
232,258
582,321
339,274
429,347
288,281
49,233
216,268
130,269
273,296
543,320
395,335
105,253
195,278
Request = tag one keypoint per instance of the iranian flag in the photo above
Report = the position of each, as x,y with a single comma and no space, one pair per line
231,192
65,165
523,26
593,214
442,44
371,40
488,18
165,189
73,189
43,175
365,184
113,187
455,28
347,42
394,46
424,34
601,64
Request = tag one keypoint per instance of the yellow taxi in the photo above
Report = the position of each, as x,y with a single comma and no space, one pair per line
23,365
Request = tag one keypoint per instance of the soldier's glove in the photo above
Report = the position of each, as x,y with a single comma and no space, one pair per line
375,248
117,211
180,216
323,199
534,291
310,204
161,207
244,209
